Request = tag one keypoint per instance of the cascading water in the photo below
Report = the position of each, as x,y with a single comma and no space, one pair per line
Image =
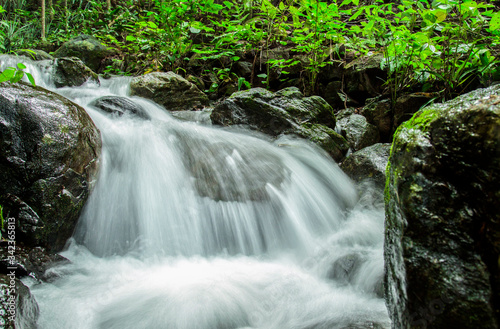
191,226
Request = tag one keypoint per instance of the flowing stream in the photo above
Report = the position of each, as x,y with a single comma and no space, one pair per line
195,227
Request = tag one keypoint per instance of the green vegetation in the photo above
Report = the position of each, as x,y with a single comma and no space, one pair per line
13,74
448,46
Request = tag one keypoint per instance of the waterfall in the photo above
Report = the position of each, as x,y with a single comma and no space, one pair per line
191,226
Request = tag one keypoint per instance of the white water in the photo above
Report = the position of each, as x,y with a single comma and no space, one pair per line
193,227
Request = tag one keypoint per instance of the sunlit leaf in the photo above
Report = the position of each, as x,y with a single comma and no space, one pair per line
495,21
31,79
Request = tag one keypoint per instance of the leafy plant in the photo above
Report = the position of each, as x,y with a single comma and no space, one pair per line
13,74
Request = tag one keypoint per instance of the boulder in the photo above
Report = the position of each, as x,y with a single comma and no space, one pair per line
120,105
379,114
442,240
34,54
364,78
407,105
72,72
90,50
16,299
368,164
169,90
358,132
49,149
284,112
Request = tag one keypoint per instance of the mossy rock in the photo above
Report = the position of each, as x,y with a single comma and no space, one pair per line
284,112
72,72
90,50
442,241
169,90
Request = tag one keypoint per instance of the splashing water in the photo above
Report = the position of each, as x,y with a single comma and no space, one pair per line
194,227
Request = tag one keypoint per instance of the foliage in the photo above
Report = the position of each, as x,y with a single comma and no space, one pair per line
15,74
443,45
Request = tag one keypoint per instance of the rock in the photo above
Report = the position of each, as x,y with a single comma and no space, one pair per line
442,241
379,114
90,50
333,94
120,105
16,299
364,78
284,112
407,105
201,117
344,268
34,54
358,132
169,90
243,69
251,162
368,163
48,156
72,72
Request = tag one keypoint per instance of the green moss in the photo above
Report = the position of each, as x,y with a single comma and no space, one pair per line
421,119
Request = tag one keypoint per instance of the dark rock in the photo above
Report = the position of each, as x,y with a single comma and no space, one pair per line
16,299
120,105
169,90
48,156
364,78
72,72
358,132
407,105
34,54
30,261
368,163
442,241
243,69
90,50
284,112
379,114
333,94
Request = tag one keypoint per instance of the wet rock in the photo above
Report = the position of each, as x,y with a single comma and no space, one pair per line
120,105
48,157
379,114
344,269
364,78
34,54
240,165
442,241
16,299
90,50
407,105
358,132
368,164
284,112
72,72
169,90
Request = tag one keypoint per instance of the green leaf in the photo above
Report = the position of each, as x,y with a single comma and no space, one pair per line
9,73
31,79
282,6
19,75
3,78
228,4
130,38
262,75
495,21
194,30
21,66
